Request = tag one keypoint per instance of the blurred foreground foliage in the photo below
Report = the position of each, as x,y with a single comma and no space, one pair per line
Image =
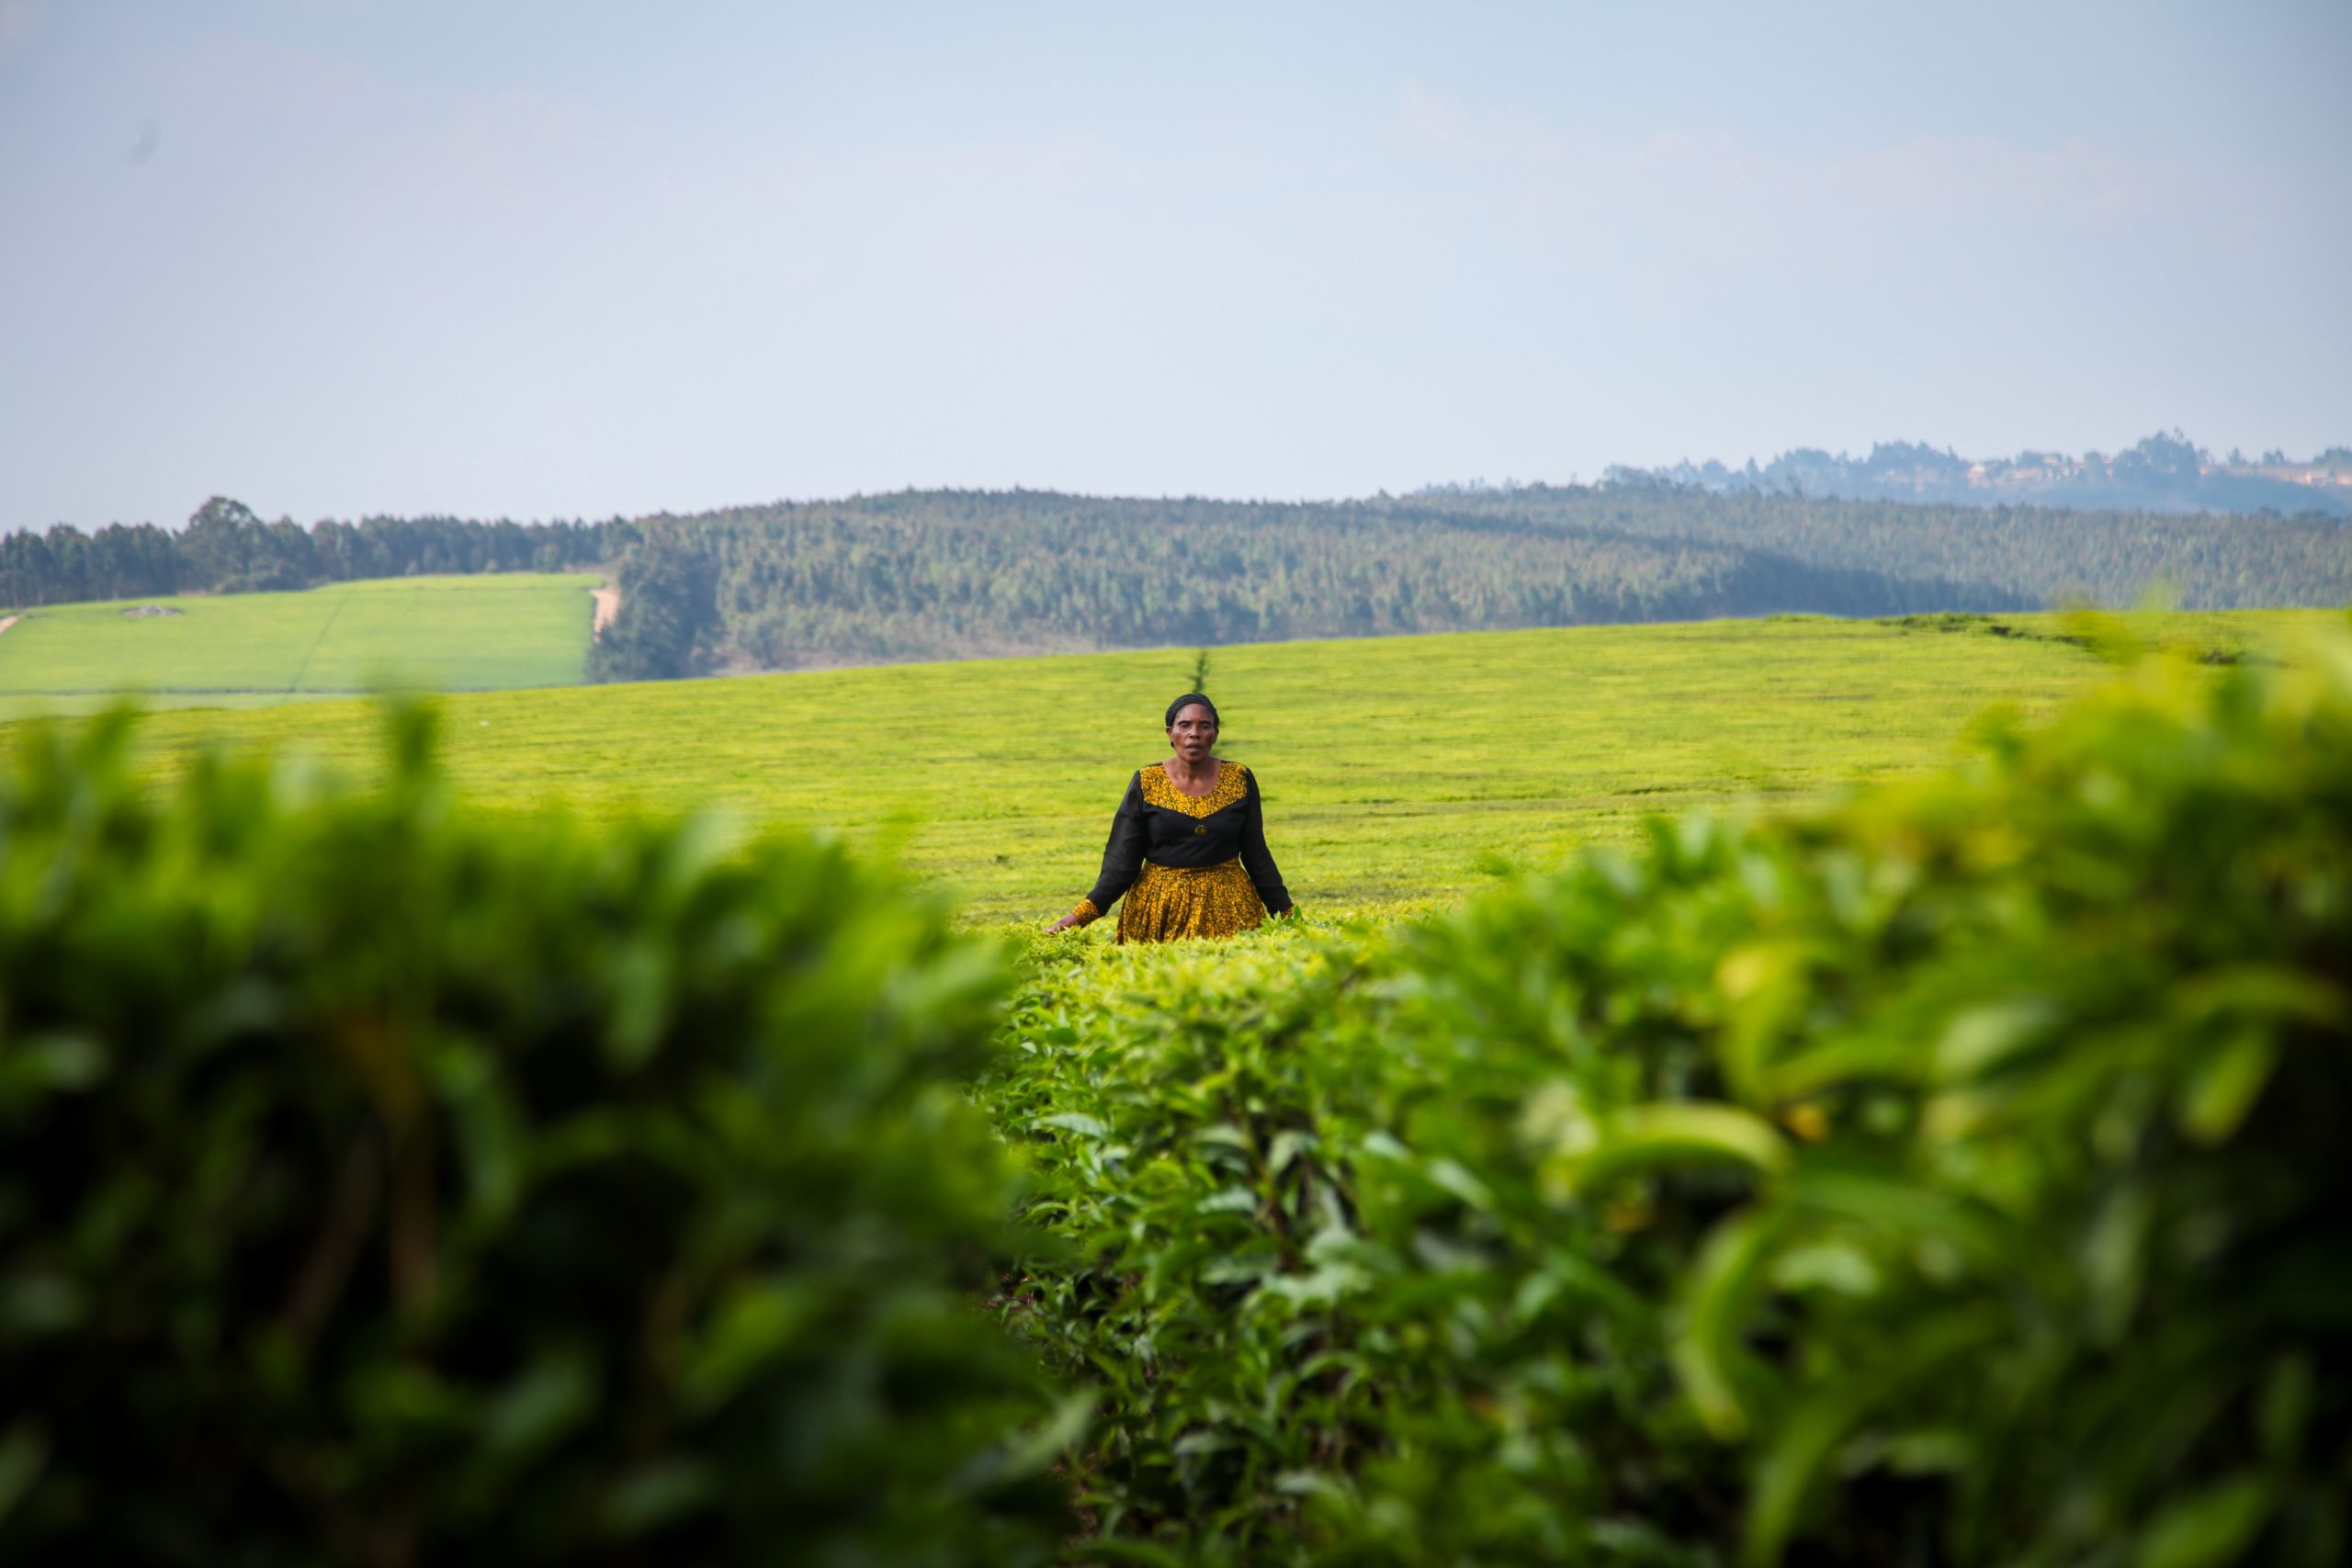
1950,1176
382,1183
1955,1175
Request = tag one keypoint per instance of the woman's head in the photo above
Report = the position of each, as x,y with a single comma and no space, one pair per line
1192,726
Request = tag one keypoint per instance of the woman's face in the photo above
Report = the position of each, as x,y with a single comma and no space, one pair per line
1193,732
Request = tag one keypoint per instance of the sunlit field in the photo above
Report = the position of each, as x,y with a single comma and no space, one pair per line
1358,1239
1396,771
440,633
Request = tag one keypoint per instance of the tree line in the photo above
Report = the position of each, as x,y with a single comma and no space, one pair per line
957,574
946,574
2047,554
225,548
2166,472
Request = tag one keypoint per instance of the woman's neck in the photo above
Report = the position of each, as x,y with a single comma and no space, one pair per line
1189,776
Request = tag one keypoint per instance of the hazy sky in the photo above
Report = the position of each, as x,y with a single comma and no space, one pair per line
334,257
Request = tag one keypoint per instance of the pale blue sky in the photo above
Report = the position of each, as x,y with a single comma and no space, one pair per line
334,257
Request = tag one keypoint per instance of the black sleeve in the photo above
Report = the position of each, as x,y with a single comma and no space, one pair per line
1256,858
1122,856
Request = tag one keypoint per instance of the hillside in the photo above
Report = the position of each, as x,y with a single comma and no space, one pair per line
440,633
1395,769
2044,555
953,574
956,574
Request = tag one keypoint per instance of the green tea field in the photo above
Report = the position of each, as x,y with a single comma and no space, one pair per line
1751,1196
247,650
1396,769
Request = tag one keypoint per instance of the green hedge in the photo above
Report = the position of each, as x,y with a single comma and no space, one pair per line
1330,1314
381,1183
1952,1176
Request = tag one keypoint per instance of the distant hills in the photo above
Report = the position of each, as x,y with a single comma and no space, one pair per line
949,574
953,574
2163,473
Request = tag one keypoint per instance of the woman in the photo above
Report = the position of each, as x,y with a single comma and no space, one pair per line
1188,847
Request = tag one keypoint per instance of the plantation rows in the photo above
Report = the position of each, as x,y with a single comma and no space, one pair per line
1946,1179
1950,1176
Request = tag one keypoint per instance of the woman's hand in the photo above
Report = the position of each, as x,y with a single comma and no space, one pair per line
1064,923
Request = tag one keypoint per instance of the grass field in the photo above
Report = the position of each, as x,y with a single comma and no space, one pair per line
1396,769
249,650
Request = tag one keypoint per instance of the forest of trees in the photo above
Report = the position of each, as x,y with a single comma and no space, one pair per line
944,574
2044,555
226,550
951,574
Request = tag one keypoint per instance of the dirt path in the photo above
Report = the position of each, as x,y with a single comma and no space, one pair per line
608,605
7,621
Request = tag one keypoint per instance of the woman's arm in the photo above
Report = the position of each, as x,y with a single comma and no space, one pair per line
1255,859
1122,859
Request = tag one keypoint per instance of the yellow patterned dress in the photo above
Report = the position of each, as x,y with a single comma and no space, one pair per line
1188,865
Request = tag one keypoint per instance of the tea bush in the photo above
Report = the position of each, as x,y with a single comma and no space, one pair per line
384,1183
1951,1176
2052,1262
1334,1315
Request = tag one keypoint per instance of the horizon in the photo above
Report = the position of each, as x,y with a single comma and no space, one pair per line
1671,474
355,260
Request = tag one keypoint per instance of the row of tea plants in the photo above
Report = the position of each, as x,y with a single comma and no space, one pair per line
1955,1175
385,1183
1951,1177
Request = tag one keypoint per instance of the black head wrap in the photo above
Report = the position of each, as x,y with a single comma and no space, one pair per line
1187,700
